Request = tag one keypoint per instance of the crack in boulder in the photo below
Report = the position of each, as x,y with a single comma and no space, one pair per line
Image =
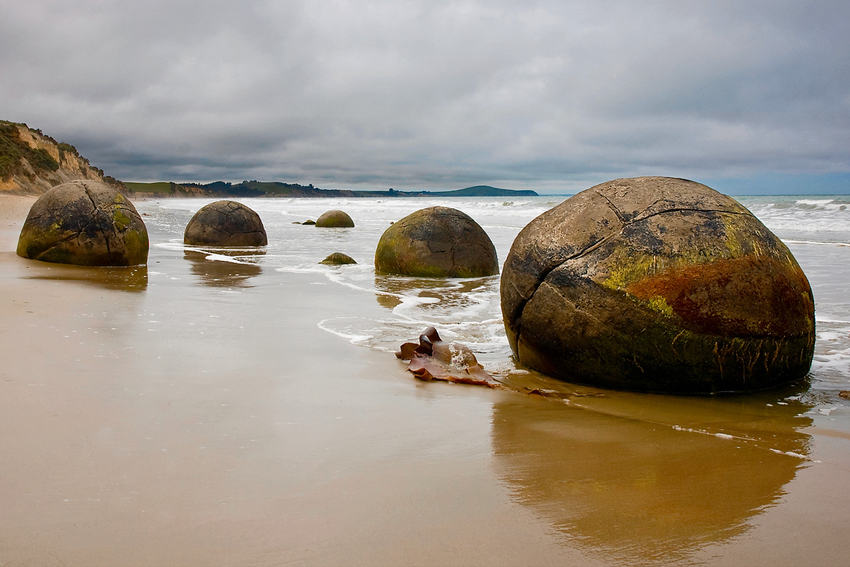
618,232
75,223
698,251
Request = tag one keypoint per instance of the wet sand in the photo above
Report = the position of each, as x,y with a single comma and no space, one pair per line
194,413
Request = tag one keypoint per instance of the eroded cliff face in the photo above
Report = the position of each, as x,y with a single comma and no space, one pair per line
32,162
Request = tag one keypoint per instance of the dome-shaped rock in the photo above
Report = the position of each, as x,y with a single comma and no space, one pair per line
87,223
436,242
334,219
657,284
338,259
225,223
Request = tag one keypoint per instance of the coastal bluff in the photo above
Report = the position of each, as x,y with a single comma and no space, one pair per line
32,162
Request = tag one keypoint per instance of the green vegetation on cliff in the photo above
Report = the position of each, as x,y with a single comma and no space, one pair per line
13,150
32,162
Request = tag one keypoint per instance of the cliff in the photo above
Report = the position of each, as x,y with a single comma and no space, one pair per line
32,162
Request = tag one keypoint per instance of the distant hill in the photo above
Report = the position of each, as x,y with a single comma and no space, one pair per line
227,189
278,189
486,191
32,162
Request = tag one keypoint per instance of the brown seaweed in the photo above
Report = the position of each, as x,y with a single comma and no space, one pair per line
434,359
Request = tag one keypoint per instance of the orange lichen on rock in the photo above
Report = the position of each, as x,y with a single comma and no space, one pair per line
717,298
657,284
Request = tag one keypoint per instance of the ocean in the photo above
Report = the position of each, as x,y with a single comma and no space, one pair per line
396,309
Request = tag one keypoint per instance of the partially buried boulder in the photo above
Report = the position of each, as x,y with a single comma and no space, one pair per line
338,259
225,223
334,219
87,223
436,242
657,284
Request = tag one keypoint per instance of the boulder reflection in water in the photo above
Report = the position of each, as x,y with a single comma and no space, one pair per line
225,267
448,293
120,278
641,478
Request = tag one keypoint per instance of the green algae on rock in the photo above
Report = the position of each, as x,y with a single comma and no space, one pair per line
225,223
436,242
334,219
87,223
657,284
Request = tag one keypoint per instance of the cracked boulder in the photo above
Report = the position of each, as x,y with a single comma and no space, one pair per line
87,223
436,242
225,223
660,285
334,219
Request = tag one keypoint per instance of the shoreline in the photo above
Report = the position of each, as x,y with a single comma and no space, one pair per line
194,412
13,213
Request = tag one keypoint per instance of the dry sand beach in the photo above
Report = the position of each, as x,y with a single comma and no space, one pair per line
174,415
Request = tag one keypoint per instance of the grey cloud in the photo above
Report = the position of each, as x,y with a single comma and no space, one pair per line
434,94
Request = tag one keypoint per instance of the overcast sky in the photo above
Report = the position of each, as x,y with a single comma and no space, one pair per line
549,95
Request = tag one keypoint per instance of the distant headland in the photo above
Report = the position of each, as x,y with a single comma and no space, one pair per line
31,162
278,189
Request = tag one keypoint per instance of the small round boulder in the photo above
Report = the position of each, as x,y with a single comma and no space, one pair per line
436,242
334,219
87,223
338,259
225,223
657,284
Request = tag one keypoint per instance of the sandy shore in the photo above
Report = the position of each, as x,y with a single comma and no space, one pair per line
13,212
170,426
161,416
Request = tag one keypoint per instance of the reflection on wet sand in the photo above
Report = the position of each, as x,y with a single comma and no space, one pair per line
648,479
446,291
121,278
225,267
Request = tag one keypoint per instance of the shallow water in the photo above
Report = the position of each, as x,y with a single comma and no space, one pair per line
817,229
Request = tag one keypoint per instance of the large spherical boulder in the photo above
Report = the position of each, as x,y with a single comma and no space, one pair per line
436,242
87,223
334,219
657,284
225,223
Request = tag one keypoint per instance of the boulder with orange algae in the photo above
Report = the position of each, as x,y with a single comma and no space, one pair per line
659,285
